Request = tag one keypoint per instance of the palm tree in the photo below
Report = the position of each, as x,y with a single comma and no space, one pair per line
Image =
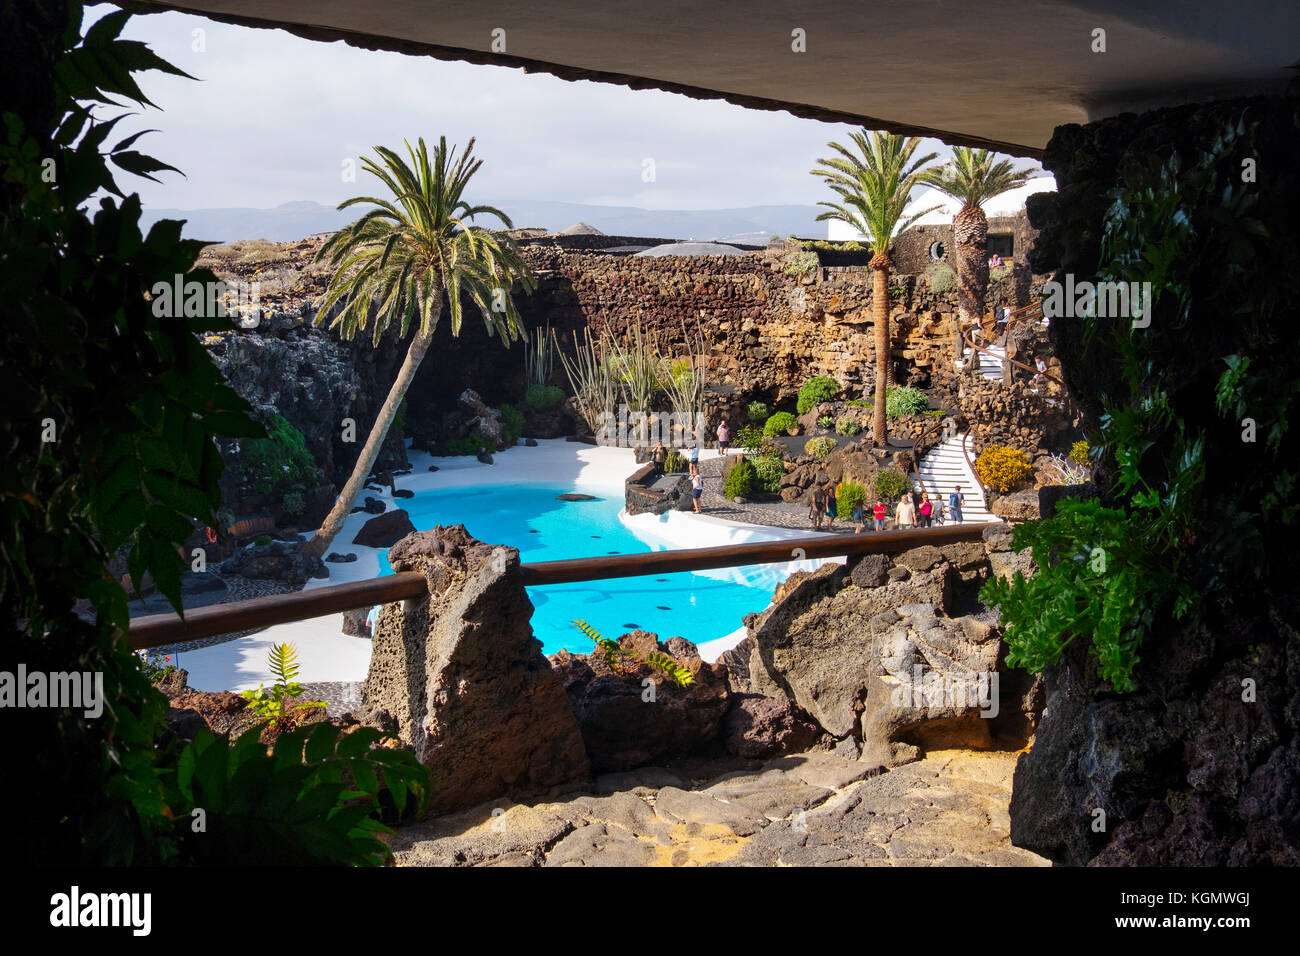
398,261
874,192
972,178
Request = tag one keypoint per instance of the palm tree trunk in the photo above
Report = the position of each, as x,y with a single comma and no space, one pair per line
970,229
347,498
880,266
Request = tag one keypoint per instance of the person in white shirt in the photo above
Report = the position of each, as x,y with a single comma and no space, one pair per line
906,513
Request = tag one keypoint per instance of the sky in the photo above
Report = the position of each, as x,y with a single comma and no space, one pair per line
273,118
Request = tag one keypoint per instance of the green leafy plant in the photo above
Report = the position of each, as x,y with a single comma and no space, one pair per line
512,422
739,481
820,447
818,389
905,400
940,278
847,426
891,484
543,397
316,799
279,460
1079,453
468,445
826,421
750,438
275,705
623,661
780,423
262,540
674,462
757,411
768,471
1002,468
849,494
799,262
672,670
293,503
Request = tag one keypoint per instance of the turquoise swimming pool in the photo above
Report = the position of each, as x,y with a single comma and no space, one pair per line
697,606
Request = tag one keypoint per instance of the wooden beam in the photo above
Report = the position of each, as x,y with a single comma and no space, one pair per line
159,630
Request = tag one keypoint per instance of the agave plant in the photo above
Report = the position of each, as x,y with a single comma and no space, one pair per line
640,369
592,377
686,380
539,356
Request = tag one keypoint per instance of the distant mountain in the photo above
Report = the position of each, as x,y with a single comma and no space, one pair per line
294,220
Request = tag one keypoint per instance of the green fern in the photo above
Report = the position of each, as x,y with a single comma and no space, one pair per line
283,661
670,668
274,705
616,656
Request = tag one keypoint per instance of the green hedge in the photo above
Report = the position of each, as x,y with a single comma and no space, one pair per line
780,423
740,480
543,397
891,484
821,388
769,470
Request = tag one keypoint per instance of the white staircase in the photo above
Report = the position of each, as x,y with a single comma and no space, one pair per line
990,365
943,469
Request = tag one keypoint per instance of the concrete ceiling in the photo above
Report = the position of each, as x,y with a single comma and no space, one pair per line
1000,74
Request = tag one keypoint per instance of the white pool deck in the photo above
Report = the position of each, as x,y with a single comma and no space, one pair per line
326,654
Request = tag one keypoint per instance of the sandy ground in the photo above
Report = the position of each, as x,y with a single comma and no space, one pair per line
326,654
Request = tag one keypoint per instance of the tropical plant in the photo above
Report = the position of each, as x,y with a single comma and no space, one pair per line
512,423
542,397
758,411
874,188
274,705
826,421
972,177
279,460
890,484
848,495
539,357
468,445
641,370
685,385
739,481
614,653
674,462
818,389
315,800
750,438
768,471
847,426
621,660
396,263
1002,468
820,447
780,423
293,503
591,376
666,665
905,400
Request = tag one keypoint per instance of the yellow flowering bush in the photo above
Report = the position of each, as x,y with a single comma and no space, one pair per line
1002,468
1079,453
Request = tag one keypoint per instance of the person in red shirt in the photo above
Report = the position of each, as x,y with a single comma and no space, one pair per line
925,509
881,513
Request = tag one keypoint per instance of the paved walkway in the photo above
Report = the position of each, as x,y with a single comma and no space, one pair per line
814,809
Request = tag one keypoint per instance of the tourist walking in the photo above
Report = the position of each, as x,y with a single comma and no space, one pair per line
906,513
660,457
831,502
695,455
856,515
697,488
925,509
880,513
955,501
724,437
817,506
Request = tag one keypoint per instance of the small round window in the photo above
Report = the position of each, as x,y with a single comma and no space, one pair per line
937,250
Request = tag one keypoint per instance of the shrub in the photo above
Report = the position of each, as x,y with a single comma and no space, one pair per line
905,401
826,421
848,494
750,438
799,263
277,705
891,484
740,480
768,471
1002,468
469,445
780,423
1001,272
1079,453
281,459
674,461
262,540
758,411
848,426
543,397
820,447
941,278
512,421
820,388
293,503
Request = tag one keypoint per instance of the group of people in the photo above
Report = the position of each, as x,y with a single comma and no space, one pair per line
660,458
914,510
